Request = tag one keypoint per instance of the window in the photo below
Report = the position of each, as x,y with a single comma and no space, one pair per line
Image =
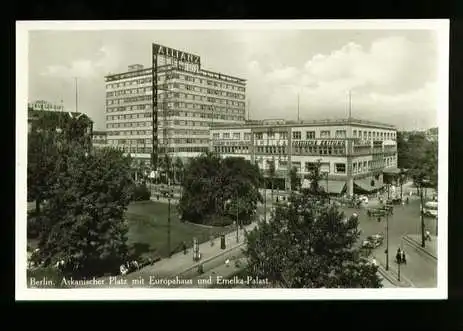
216,135
340,133
324,134
310,135
226,135
247,136
236,135
259,135
340,167
310,166
271,135
355,133
296,134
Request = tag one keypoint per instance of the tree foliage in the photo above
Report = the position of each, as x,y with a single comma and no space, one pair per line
49,129
212,186
294,179
419,156
83,220
309,245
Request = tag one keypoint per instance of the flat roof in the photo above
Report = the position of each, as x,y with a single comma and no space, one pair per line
325,122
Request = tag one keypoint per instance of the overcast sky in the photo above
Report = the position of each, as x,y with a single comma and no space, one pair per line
392,73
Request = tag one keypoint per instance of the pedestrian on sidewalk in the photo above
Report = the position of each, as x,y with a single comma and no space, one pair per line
184,248
428,235
403,259
398,256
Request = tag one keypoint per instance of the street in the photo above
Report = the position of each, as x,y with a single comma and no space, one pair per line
422,272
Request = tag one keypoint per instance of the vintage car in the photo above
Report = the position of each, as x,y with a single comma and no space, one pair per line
376,212
373,241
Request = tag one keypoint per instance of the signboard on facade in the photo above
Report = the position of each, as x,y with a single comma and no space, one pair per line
181,56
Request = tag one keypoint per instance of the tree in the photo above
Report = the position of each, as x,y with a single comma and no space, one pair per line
48,130
178,170
42,154
210,182
419,156
294,179
309,246
83,222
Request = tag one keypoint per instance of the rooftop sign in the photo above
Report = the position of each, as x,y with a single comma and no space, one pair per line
160,50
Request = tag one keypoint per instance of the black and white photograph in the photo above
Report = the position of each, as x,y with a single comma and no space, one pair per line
232,159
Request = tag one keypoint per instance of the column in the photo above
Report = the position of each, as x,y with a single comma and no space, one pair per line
350,178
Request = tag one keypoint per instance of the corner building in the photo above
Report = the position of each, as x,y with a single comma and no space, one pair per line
176,113
354,154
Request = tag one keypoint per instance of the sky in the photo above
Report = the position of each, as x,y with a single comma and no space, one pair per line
391,74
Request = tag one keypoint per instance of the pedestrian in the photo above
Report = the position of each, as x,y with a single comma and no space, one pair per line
407,200
398,256
402,257
184,248
428,235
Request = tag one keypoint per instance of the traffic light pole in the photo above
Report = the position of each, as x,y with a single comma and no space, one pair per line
387,240
423,244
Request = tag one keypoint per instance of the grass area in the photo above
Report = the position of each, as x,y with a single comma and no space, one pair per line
148,228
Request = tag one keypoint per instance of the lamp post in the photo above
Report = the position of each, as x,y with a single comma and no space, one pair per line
168,223
237,227
327,191
423,238
387,240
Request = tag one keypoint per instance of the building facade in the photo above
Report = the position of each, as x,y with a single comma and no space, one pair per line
174,115
99,139
353,153
44,105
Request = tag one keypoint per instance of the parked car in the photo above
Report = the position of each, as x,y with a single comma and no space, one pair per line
373,241
376,212
430,209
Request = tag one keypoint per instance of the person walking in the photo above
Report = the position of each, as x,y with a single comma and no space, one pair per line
403,259
428,235
398,256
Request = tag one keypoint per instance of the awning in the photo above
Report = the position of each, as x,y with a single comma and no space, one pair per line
365,184
392,171
334,186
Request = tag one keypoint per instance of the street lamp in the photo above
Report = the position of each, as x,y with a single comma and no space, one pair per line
237,227
423,238
168,223
387,240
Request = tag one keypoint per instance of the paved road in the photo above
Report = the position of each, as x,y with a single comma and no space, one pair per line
422,272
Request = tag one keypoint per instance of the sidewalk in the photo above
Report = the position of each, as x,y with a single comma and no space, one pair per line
180,262
430,246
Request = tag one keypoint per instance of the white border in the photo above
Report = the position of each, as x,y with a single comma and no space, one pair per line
23,293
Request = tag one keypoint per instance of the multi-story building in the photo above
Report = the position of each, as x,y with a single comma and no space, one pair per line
99,139
354,154
174,115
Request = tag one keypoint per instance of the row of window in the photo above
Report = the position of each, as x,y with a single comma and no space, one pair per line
162,77
373,134
234,135
174,113
232,149
145,90
216,109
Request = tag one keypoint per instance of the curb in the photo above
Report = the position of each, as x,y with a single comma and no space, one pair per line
414,244
391,277
209,259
